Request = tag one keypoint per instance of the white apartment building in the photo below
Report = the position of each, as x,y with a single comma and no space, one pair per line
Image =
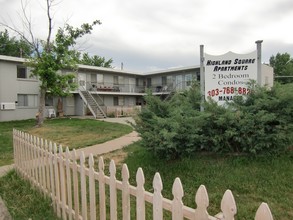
102,92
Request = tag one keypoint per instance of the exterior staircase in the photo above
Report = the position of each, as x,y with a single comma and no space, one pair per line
92,104
171,91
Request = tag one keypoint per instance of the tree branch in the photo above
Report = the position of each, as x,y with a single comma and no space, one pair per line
28,24
49,4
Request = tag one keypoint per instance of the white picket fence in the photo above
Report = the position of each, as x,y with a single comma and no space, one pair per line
74,186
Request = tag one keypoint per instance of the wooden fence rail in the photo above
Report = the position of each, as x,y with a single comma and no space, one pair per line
78,191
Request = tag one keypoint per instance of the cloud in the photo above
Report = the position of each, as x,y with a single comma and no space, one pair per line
155,34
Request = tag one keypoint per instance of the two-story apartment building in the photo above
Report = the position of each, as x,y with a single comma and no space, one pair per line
18,92
101,91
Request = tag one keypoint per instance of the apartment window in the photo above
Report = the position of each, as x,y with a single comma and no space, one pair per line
149,82
169,80
121,80
118,100
49,101
164,80
21,72
25,100
179,82
115,99
197,76
188,79
115,80
118,80
93,78
100,78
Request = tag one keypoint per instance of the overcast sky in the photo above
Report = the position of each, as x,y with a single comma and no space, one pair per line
149,35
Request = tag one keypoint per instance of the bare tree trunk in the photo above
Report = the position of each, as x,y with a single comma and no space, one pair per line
49,4
41,114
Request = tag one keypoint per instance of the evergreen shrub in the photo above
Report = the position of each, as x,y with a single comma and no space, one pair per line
258,123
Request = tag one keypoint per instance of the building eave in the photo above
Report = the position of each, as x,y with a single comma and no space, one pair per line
13,59
170,70
109,70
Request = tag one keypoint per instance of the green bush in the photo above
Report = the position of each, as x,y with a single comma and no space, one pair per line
258,123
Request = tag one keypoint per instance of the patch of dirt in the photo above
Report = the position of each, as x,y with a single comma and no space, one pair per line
118,156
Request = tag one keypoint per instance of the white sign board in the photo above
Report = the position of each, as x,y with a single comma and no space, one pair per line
227,75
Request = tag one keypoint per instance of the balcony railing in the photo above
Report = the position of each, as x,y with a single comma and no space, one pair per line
133,88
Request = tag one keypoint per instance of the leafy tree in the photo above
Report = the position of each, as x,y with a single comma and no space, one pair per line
95,60
53,56
283,67
58,55
10,46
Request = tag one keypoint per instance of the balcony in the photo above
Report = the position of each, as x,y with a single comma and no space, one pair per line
110,88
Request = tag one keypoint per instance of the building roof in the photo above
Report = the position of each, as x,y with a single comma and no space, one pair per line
109,70
12,59
170,70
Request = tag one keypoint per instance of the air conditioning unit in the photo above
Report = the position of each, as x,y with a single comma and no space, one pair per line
7,105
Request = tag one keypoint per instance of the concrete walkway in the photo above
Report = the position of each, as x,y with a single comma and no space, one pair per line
109,146
98,149
114,144
5,169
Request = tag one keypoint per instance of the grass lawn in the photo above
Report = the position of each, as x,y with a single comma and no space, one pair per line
23,201
251,180
74,133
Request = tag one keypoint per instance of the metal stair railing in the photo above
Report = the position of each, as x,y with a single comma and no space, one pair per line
171,92
102,101
92,99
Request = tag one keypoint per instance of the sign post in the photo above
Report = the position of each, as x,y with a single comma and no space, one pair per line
258,49
202,77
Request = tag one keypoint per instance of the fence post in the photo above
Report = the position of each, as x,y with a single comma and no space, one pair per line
140,202
228,205
62,183
42,158
102,195
14,147
75,185
21,165
25,155
69,183
52,175
177,204
92,190
47,167
83,187
125,193
31,156
202,203
57,178
39,176
36,179
158,198
263,212
44,165
113,192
